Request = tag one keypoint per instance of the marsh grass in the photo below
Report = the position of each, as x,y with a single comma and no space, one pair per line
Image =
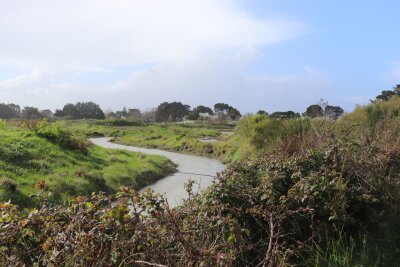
27,158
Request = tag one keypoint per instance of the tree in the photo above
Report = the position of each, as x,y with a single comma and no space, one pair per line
233,113
314,111
203,109
285,115
46,113
195,113
221,108
81,110
89,110
58,113
385,95
69,110
333,112
8,111
262,112
174,111
224,110
30,113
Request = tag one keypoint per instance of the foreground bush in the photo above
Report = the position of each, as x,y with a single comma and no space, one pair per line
118,230
287,207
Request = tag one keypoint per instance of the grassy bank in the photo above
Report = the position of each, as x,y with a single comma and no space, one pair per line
184,138
180,138
30,162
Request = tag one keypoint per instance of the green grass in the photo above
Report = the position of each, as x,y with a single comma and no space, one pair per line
177,137
28,159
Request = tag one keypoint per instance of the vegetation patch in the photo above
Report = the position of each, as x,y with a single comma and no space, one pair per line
68,165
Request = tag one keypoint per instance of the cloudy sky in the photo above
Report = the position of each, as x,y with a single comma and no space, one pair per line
254,54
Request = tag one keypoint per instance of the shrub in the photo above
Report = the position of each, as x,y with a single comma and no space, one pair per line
119,122
3,124
60,136
8,185
96,178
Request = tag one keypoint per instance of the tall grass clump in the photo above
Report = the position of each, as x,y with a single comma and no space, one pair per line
3,124
258,133
341,250
56,134
373,114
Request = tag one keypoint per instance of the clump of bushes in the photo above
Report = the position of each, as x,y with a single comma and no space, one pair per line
3,124
61,136
8,185
119,122
16,150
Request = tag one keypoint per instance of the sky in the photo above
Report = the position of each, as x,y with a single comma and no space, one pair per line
254,54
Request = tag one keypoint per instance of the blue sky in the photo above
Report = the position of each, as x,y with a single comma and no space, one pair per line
271,55
353,42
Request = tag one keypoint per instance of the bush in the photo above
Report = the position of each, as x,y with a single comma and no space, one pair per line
3,124
258,133
60,136
16,151
119,122
8,185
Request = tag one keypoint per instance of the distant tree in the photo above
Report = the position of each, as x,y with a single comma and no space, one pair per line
58,113
195,113
193,116
81,110
333,112
233,113
221,108
226,111
203,109
30,113
69,110
89,110
314,111
46,113
174,111
385,95
285,115
262,112
8,111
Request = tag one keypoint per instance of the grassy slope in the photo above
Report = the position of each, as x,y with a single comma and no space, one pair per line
28,159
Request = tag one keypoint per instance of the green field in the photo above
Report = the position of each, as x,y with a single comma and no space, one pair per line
27,160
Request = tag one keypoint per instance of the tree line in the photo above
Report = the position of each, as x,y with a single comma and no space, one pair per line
174,111
80,110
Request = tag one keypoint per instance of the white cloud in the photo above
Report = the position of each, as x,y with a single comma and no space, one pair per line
103,32
194,51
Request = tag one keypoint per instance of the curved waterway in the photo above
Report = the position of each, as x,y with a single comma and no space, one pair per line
200,169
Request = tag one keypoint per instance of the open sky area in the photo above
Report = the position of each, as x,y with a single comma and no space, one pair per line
255,54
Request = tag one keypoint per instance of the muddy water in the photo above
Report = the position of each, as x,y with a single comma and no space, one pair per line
200,169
